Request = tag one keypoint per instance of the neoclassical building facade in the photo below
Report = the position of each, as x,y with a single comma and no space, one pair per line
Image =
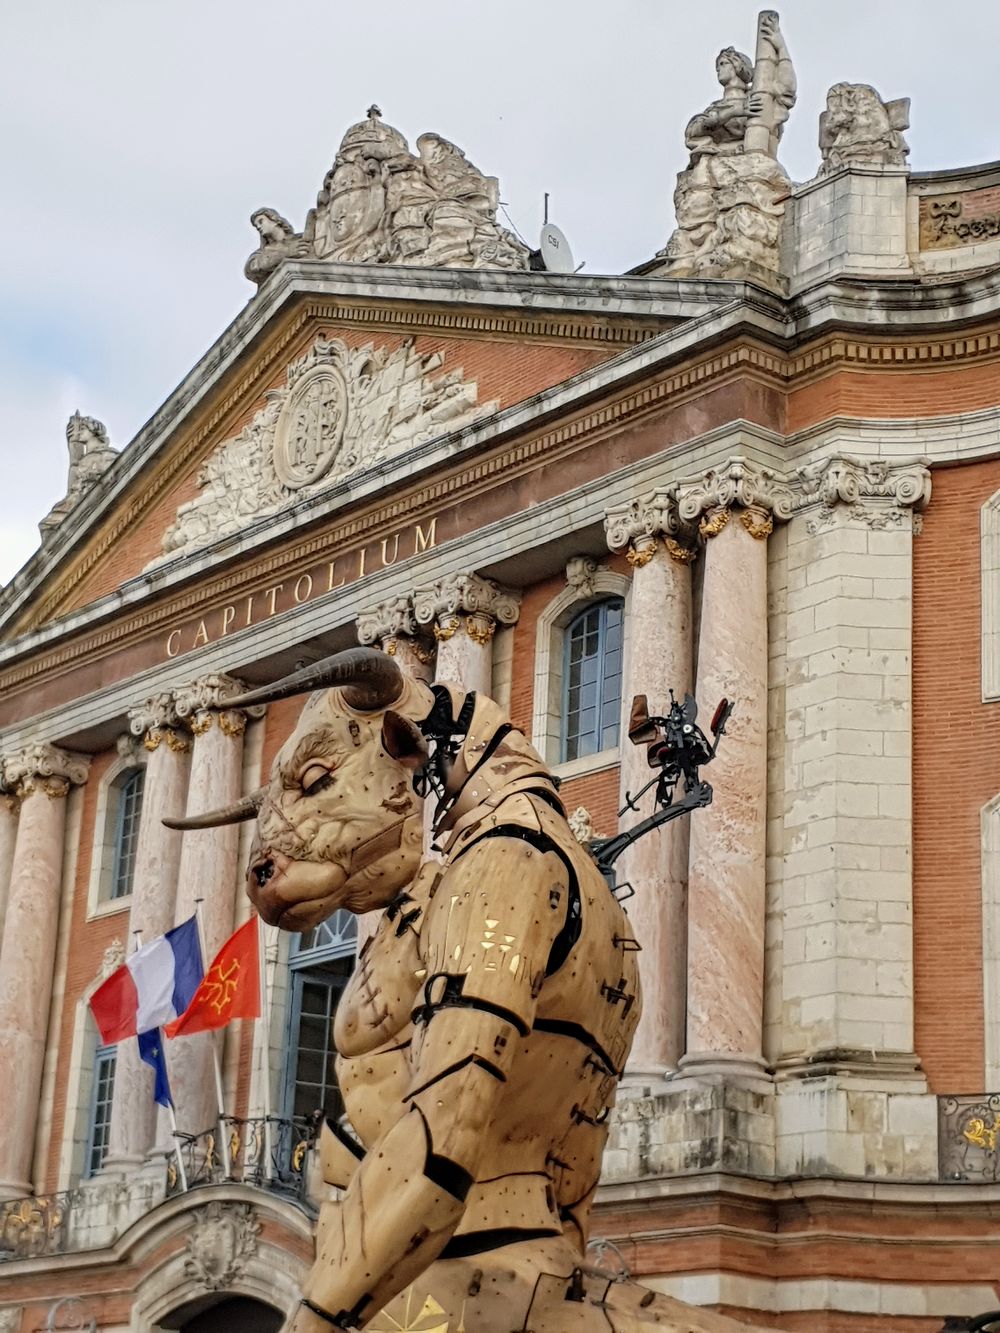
770,474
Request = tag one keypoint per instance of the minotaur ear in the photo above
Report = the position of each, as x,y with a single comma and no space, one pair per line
640,729
403,740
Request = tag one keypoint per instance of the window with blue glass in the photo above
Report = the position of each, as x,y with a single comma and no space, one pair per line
126,835
592,680
321,962
99,1126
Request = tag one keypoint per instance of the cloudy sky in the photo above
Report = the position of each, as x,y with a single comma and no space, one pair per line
138,135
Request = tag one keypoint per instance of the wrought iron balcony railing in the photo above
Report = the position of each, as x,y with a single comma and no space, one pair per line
969,1137
268,1152
36,1226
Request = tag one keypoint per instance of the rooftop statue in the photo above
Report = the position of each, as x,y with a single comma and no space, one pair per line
731,198
487,1022
382,204
858,129
90,456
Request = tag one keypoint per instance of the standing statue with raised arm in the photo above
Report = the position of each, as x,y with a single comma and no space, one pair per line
488,1020
730,200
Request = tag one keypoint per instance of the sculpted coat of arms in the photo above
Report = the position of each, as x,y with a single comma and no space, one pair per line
342,409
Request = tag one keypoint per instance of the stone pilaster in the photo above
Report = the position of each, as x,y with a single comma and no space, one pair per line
10,805
658,659
43,775
734,507
463,612
154,888
846,876
392,626
208,873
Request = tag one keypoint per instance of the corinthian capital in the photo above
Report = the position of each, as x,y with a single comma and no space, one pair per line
156,720
841,479
46,768
639,524
205,699
737,483
482,603
388,620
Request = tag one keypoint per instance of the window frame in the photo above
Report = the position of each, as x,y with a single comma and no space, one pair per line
104,857
304,965
103,1056
602,606
121,788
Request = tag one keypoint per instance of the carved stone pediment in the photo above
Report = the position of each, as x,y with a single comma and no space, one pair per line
342,409
223,1236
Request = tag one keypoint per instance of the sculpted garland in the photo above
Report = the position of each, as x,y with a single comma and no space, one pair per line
488,1020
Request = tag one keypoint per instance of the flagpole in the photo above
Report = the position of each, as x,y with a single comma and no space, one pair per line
265,1044
181,1172
227,1165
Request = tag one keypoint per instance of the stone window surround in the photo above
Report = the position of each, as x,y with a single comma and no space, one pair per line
990,836
546,722
105,830
79,1091
989,528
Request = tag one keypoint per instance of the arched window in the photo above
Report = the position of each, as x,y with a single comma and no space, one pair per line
320,964
128,805
592,680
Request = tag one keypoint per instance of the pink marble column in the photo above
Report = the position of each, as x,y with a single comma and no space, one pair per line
463,612
9,807
208,872
44,775
154,886
658,659
726,874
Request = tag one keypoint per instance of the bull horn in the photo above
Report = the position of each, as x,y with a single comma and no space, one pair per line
370,680
245,808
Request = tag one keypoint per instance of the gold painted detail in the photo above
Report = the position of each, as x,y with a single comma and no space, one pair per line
682,554
982,1135
201,722
430,1318
640,556
175,741
30,1227
298,1154
447,629
757,522
389,646
232,722
171,1173
234,1145
714,521
480,629
425,656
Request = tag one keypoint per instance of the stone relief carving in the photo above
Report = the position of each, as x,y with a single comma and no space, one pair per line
581,573
388,620
858,129
382,204
114,956
342,409
90,456
46,766
730,200
223,1236
465,594
581,825
880,493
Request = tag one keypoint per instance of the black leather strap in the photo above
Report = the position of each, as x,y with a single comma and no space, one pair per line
333,1320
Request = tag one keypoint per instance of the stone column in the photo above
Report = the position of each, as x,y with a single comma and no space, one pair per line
44,775
208,874
658,659
392,627
154,887
464,611
726,879
846,890
9,807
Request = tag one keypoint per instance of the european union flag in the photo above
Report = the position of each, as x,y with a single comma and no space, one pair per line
151,1050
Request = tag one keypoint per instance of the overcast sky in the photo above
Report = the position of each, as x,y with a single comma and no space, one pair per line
138,135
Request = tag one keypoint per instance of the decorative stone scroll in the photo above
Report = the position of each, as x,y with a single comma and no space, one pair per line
90,456
858,129
45,768
382,204
342,409
730,201
880,493
112,958
156,720
204,701
758,494
466,602
581,574
220,1242
639,525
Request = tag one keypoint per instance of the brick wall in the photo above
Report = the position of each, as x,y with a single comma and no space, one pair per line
956,770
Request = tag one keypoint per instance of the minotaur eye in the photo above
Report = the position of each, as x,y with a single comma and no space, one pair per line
315,779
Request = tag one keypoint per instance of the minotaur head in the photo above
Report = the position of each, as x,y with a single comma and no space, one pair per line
338,823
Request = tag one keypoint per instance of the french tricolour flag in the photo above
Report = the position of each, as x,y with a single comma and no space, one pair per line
152,987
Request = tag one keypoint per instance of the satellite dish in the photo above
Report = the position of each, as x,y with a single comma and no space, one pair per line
554,249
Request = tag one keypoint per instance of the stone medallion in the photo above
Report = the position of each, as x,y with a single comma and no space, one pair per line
311,427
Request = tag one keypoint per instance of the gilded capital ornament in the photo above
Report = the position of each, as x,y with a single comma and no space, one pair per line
738,483
45,768
443,603
151,718
203,702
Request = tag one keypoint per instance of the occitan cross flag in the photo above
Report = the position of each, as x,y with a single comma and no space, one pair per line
229,989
